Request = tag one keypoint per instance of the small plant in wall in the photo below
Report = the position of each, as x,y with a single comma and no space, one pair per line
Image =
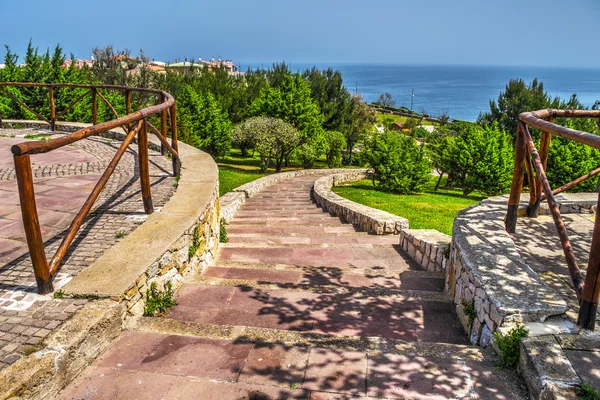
158,302
587,392
223,232
509,345
469,309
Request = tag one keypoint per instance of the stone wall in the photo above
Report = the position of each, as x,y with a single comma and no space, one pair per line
488,281
428,247
180,240
366,218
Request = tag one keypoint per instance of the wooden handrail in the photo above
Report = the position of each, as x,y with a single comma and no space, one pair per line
587,292
134,123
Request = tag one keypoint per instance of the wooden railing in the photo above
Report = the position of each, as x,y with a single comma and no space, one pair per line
133,123
527,158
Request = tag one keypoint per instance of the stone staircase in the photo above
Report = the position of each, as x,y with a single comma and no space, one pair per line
301,305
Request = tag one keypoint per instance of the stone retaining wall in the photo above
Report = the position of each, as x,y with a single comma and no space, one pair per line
428,247
366,218
486,275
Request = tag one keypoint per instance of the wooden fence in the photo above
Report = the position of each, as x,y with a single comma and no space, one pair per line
133,123
528,159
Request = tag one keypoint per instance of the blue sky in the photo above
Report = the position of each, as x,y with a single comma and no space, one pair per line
509,32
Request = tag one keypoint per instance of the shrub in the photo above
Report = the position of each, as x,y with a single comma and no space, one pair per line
398,162
469,310
510,345
158,302
420,132
335,143
223,232
475,157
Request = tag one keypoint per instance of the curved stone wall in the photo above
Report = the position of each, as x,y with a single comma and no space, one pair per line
486,271
368,219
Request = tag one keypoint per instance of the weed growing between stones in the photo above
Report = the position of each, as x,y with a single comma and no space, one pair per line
587,392
37,137
120,234
29,350
510,345
59,294
158,302
175,182
223,232
469,310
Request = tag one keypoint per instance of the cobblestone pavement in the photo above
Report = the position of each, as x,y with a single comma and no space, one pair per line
63,180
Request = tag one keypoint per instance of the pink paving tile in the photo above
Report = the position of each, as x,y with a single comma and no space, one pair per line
336,371
397,376
176,355
100,383
186,388
275,365
11,249
49,202
71,182
204,296
259,275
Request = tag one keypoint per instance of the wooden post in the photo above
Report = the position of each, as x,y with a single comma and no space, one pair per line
52,109
591,289
163,124
94,106
176,161
510,221
531,179
533,209
128,102
574,271
144,167
32,224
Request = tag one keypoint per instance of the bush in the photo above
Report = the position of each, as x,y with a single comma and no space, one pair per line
510,345
475,157
398,162
335,143
420,132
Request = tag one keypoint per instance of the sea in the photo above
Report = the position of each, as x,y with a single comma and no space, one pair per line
463,92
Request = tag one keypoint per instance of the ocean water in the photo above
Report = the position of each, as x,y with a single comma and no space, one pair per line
461,91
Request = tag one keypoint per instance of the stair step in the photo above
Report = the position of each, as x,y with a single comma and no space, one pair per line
285,223
314,240
332,256
293,230
410,269
265,245
411,316
329,278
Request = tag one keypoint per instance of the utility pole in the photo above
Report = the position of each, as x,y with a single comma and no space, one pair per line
356,90
412,98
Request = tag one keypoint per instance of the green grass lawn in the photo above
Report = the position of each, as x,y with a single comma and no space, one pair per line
397,118
427,210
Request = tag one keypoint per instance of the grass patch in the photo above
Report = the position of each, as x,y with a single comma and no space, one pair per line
236,170
120,234
397,118
426,210
37,137
510,345
587,392
158,302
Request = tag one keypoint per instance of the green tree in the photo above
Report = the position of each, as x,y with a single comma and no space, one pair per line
202,123
478,158
385,101
335,145
518,97
361,124
398,162
273,139
335,102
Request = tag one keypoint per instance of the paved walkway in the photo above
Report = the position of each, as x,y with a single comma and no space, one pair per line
300,305
63,179
538,243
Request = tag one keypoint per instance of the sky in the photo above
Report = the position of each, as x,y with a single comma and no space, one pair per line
549,33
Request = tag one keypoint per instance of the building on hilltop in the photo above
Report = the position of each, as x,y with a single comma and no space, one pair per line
80,63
